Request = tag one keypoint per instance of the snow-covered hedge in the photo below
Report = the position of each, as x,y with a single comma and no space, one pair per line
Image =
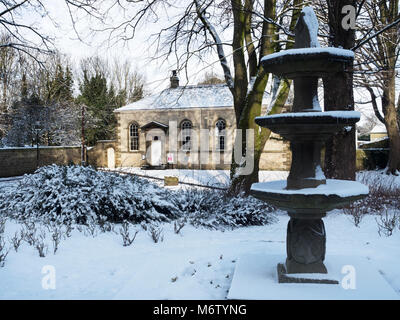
211,208
75,194
79,194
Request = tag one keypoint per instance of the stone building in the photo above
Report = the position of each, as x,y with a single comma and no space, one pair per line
186,127
378,132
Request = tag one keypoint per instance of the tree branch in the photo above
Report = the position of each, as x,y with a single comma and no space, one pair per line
375,105
220,49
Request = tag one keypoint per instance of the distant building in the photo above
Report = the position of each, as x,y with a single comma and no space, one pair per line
186,118
378,132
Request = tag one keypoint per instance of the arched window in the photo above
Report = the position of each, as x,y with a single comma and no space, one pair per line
134,137
186,133
220,128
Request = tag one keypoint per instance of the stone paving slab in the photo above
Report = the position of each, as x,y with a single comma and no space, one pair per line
255,278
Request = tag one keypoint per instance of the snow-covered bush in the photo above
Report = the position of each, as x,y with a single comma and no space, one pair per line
127,239
84,195
178,225
215,209
3,251
384,193
387,223
40,244
78,194
156,233
356,211
2,225
17,239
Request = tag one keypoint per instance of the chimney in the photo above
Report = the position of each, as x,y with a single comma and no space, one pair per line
174,79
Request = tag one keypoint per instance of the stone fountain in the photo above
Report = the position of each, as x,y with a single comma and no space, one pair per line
306,194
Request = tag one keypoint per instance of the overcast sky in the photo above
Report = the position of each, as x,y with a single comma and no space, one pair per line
138,50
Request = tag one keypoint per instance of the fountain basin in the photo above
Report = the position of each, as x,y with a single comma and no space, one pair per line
310,202
307,62
314,125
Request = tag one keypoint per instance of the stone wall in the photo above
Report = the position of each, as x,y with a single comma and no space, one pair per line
18,161
98,155
276,154
376,136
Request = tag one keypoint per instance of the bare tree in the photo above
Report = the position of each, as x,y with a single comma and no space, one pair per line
340,150
369,40
22,42
39,93
8,66
23,36
370,122
377,60
199,29
128,81
211,78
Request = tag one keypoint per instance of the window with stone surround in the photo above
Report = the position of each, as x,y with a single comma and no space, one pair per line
220,127
134,137
186,134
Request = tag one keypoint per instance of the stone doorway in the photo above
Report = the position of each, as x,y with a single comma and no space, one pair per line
156,151
111,158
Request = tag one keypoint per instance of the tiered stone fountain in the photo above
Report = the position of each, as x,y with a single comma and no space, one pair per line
307,195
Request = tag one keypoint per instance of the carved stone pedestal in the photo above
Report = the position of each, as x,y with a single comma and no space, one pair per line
305,246
255,277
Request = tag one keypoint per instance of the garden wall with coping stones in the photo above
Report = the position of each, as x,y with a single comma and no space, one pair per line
97,155
18,161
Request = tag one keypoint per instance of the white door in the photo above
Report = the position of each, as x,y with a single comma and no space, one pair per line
111,158
155,152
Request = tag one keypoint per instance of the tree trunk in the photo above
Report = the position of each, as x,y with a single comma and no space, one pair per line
253,100
261,135
248,105
340,150
391,123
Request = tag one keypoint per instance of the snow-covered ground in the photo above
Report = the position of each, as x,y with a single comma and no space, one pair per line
202,177
195,264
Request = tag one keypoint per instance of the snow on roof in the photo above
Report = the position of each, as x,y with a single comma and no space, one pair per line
379,128
200,96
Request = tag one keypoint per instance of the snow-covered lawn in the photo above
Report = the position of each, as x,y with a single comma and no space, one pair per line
202,177
196,264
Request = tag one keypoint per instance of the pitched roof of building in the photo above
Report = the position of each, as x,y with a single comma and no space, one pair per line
183,97
155,124
379,128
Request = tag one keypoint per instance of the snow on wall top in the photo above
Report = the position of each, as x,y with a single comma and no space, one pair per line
310,19
200,96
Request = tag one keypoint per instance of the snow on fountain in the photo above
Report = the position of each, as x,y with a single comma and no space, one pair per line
307,195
